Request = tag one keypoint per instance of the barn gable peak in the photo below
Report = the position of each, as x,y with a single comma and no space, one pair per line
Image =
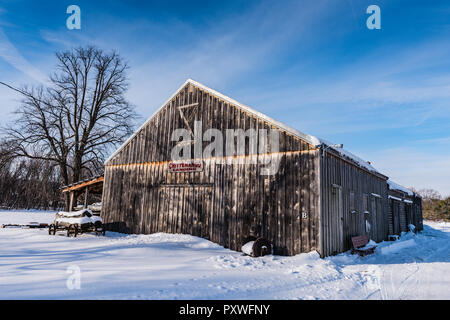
305,137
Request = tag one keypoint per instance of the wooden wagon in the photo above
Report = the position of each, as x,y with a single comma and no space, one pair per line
77,222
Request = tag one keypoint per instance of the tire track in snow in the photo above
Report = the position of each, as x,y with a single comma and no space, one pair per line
372,282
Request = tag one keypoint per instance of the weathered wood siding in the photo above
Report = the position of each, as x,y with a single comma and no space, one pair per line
226,203
350,195
402,213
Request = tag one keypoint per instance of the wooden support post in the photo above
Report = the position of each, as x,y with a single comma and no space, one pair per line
86,195
71,201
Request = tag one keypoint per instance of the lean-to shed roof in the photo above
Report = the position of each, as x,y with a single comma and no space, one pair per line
397,187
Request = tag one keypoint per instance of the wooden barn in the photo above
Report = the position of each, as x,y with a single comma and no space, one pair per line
317,198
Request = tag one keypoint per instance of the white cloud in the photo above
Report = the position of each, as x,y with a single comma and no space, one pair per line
8,102
11,55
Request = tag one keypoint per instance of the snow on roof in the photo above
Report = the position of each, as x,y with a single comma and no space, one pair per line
347,154
395,186
306,137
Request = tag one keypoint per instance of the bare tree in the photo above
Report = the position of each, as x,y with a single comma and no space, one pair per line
77,118
429,194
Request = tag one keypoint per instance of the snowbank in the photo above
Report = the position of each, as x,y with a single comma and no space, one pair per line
397,246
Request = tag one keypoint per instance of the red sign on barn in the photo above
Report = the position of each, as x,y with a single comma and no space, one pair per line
186,166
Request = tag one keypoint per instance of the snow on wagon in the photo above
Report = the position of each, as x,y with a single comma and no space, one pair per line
77,222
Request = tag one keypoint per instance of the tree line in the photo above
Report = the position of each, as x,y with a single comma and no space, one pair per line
30,184
434,206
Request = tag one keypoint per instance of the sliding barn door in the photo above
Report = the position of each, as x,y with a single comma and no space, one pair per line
337,220
185,209
396,216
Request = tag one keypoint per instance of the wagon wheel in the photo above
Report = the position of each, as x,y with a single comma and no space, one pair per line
69,230
102,228
50,227
98,226
261,247
72,229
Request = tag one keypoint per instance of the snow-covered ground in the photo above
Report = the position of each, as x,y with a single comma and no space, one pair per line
34,265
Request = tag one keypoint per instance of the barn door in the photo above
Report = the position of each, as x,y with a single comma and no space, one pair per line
374,218
185,209
337,219
396,217
403,225
409,216
391,217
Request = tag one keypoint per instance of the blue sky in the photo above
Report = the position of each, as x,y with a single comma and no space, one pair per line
314,65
